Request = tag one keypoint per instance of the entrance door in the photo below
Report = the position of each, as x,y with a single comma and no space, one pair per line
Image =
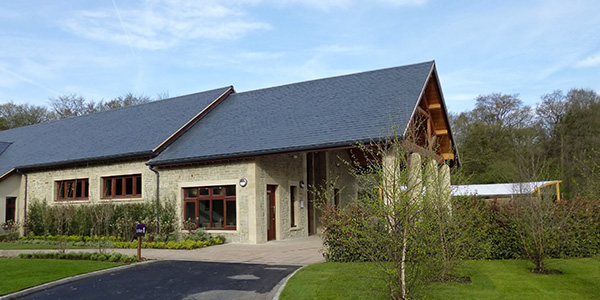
271,216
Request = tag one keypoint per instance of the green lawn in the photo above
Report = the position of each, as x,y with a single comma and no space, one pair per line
500,279
18,274
336,281
19,246
511,279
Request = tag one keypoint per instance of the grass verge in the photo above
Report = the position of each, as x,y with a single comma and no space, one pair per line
19,274
336,281
498,279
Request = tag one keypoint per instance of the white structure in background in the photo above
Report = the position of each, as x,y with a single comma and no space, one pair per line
504,189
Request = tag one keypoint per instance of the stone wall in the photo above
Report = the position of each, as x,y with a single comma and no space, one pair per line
174,179
41,185
284,171
338,171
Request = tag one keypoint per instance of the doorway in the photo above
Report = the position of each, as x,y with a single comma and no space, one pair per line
271,213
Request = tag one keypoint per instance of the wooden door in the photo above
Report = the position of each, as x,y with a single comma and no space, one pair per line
271,212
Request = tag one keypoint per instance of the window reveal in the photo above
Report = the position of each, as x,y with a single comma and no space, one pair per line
211,207
75,189
129,186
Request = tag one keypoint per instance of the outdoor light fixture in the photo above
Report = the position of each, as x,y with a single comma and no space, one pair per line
243,182
301,184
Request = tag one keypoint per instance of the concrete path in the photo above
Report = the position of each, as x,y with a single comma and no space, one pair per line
303,251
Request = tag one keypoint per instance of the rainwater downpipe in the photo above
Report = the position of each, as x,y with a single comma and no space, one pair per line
24,201
157,201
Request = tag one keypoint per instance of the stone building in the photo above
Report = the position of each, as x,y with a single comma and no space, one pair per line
238,163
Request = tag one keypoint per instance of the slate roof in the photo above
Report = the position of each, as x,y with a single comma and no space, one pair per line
120,133
3,147
318,114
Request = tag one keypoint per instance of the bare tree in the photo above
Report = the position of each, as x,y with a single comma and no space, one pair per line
71,105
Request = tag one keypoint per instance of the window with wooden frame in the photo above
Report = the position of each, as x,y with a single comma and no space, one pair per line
211,207
74,189
128,186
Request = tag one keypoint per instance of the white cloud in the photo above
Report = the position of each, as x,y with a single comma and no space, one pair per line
162,25
589,62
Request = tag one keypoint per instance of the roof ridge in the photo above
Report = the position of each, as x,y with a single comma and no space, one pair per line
337,76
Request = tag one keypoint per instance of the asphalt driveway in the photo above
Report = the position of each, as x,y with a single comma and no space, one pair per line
176,280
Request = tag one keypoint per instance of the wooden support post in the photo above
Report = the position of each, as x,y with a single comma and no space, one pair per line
139,248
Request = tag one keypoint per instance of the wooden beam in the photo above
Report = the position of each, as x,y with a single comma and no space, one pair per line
448,155
441,132
422,111
435,106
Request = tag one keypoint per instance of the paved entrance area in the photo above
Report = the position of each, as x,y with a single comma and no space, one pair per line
186,280
303,251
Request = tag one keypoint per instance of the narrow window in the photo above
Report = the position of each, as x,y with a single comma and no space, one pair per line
293,206
11,205
336,198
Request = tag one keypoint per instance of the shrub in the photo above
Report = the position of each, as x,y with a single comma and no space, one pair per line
100,219
342,234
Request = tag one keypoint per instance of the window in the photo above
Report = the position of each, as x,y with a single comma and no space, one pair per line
336,198
129,186
211,207
75,189
293,206
11,205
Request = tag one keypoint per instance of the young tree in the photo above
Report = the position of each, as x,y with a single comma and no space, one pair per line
400,220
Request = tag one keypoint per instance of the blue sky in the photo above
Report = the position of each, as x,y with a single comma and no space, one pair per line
105,49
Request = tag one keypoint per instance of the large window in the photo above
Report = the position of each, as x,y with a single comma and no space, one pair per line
129,186
211,207
75,189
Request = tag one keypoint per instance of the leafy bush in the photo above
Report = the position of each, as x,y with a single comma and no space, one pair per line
186,244
343,235
491,233
115,257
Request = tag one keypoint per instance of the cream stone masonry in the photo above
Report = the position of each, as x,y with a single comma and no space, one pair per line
282,171
338,171
174,179
42,185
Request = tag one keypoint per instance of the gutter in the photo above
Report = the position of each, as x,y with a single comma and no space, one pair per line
24,199
157,209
